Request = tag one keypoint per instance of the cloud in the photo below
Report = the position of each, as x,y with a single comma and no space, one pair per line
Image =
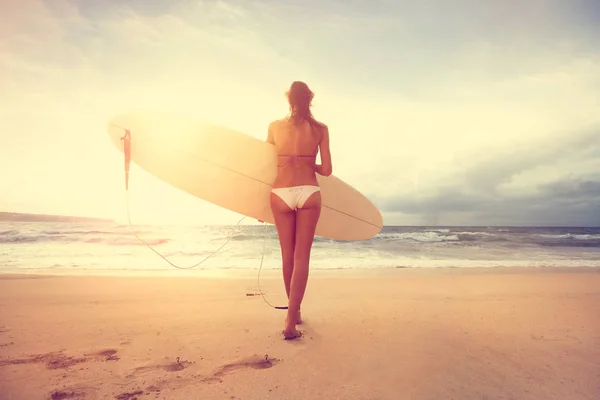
569,189
487,173
573,189
436,111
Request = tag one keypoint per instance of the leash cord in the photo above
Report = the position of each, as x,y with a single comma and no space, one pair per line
127,152
165,258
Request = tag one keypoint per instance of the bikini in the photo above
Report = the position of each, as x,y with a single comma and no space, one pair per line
295,196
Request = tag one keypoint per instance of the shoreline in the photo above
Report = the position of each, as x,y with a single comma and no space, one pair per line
317,273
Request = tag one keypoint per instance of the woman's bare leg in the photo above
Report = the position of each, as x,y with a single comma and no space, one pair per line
306,223
285,222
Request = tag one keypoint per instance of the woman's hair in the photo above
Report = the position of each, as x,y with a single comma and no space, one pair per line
300,97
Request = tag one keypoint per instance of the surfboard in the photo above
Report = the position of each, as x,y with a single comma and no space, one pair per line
233,170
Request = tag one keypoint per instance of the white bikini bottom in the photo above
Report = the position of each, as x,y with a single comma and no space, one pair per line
295,196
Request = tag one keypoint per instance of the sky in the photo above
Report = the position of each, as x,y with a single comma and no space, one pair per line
471,112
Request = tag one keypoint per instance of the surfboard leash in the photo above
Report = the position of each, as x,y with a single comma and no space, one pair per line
164,257
127,153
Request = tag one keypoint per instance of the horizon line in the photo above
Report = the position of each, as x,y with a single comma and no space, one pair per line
49,217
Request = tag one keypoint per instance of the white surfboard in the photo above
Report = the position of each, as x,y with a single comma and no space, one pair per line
234,170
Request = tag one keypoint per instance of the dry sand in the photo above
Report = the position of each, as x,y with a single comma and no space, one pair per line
394,334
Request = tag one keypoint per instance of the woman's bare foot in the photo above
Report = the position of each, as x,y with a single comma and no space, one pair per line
290,332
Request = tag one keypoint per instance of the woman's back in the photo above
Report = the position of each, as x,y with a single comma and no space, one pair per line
297,146
296,138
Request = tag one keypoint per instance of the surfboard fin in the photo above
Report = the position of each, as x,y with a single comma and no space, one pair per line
127,152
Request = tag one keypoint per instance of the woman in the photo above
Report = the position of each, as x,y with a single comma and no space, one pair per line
296,197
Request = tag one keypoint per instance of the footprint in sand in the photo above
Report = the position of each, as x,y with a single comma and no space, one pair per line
60,395
58,360
178,365
52,360
70,393
129,395
254,362
104,355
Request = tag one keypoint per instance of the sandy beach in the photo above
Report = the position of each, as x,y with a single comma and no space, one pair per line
460,333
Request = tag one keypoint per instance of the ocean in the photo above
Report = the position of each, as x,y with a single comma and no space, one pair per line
88,247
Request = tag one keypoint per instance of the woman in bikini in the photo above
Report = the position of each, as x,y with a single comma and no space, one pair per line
296,197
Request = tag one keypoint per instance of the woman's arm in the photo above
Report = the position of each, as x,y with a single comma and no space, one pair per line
325,168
